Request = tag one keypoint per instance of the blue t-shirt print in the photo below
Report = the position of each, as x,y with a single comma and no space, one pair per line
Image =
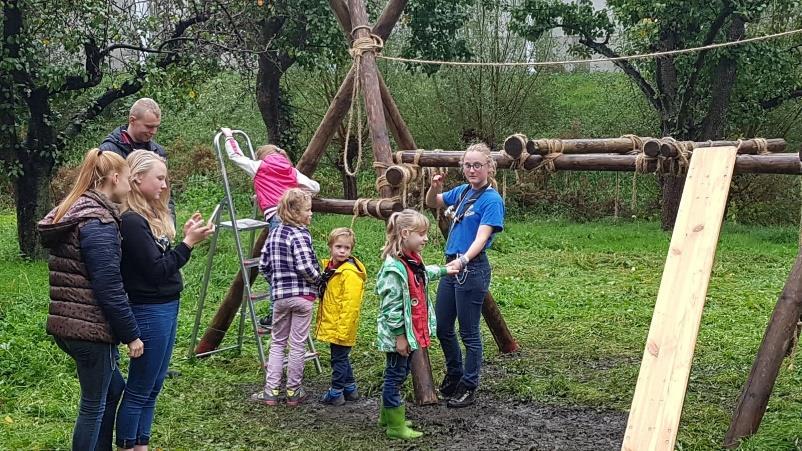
487,210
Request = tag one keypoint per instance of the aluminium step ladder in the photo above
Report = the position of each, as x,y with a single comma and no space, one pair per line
250,298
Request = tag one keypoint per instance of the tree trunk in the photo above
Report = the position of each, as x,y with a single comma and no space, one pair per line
671,193
712,126
275,110
268,92
32,188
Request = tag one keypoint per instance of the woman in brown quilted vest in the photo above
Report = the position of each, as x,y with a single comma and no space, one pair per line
89,312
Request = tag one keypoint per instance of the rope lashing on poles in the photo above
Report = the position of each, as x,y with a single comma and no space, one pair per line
359,47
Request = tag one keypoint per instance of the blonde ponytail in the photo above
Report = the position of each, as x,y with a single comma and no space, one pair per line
403,220
96,167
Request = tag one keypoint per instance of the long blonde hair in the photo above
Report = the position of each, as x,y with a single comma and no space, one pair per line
489,161
156,212
97,165
291,205
399,221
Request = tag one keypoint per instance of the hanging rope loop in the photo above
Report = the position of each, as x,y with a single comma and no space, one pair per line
360,46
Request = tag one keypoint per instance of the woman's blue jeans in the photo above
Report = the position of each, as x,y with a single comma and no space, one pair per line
157,326
101,388
460,298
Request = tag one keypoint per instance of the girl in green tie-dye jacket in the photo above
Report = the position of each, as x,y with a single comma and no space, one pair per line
406,316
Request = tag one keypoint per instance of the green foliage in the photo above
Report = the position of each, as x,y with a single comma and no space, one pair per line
684,91
434,30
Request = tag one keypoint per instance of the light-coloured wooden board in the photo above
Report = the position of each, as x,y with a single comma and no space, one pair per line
663,378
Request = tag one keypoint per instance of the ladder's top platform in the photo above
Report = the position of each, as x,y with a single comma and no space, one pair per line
245,224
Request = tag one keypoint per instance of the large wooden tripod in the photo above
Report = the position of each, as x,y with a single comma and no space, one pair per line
382,114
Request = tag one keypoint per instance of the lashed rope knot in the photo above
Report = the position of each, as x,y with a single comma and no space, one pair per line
554,149
677,166
515,164
359,47
362,205
637,143
762,145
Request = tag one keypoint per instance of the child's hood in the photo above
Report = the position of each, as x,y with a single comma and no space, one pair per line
356,267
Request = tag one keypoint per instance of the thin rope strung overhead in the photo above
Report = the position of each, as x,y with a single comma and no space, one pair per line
586,61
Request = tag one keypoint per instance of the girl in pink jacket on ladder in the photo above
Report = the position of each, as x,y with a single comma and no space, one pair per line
273,175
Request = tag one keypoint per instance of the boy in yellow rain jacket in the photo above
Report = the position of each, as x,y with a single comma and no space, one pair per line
342,286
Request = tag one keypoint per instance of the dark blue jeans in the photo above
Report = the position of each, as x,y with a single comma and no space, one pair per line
157,324
396,371
460,298
101,388
342,375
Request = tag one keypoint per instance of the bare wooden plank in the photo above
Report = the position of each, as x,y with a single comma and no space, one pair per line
663,379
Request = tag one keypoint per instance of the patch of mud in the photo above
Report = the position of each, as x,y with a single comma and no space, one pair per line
491,424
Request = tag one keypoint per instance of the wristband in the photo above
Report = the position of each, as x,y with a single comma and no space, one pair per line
464,260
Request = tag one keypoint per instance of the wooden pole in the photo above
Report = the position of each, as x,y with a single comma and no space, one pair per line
342,100
773,163
374,108
515,144
395,121
651,147
497,326
422,380
747,147
385,207
328,126
779,333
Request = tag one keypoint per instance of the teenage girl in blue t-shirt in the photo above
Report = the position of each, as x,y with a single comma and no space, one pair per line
477,213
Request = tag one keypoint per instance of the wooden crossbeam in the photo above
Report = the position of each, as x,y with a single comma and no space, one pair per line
663,378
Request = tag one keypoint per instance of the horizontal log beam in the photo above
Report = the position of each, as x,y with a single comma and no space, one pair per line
748,147
386,207
397,174
773,163
515,144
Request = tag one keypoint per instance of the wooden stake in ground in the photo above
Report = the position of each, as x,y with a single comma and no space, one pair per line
779,333
663,379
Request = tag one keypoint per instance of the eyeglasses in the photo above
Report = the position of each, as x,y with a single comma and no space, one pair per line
475,166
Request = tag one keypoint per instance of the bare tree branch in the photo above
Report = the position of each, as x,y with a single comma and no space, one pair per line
628,69
774,102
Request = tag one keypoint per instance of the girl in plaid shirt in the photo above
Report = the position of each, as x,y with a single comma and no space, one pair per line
290,265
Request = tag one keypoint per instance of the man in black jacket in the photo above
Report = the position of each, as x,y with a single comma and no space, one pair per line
143,124
144,120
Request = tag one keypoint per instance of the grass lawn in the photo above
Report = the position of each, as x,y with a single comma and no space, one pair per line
578,298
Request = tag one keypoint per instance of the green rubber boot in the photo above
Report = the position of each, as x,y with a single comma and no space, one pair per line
383,419
396,424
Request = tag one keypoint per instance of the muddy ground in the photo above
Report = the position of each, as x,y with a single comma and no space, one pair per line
493,423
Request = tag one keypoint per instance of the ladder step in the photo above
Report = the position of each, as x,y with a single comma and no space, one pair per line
256,297
244,225
264,330
252,262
